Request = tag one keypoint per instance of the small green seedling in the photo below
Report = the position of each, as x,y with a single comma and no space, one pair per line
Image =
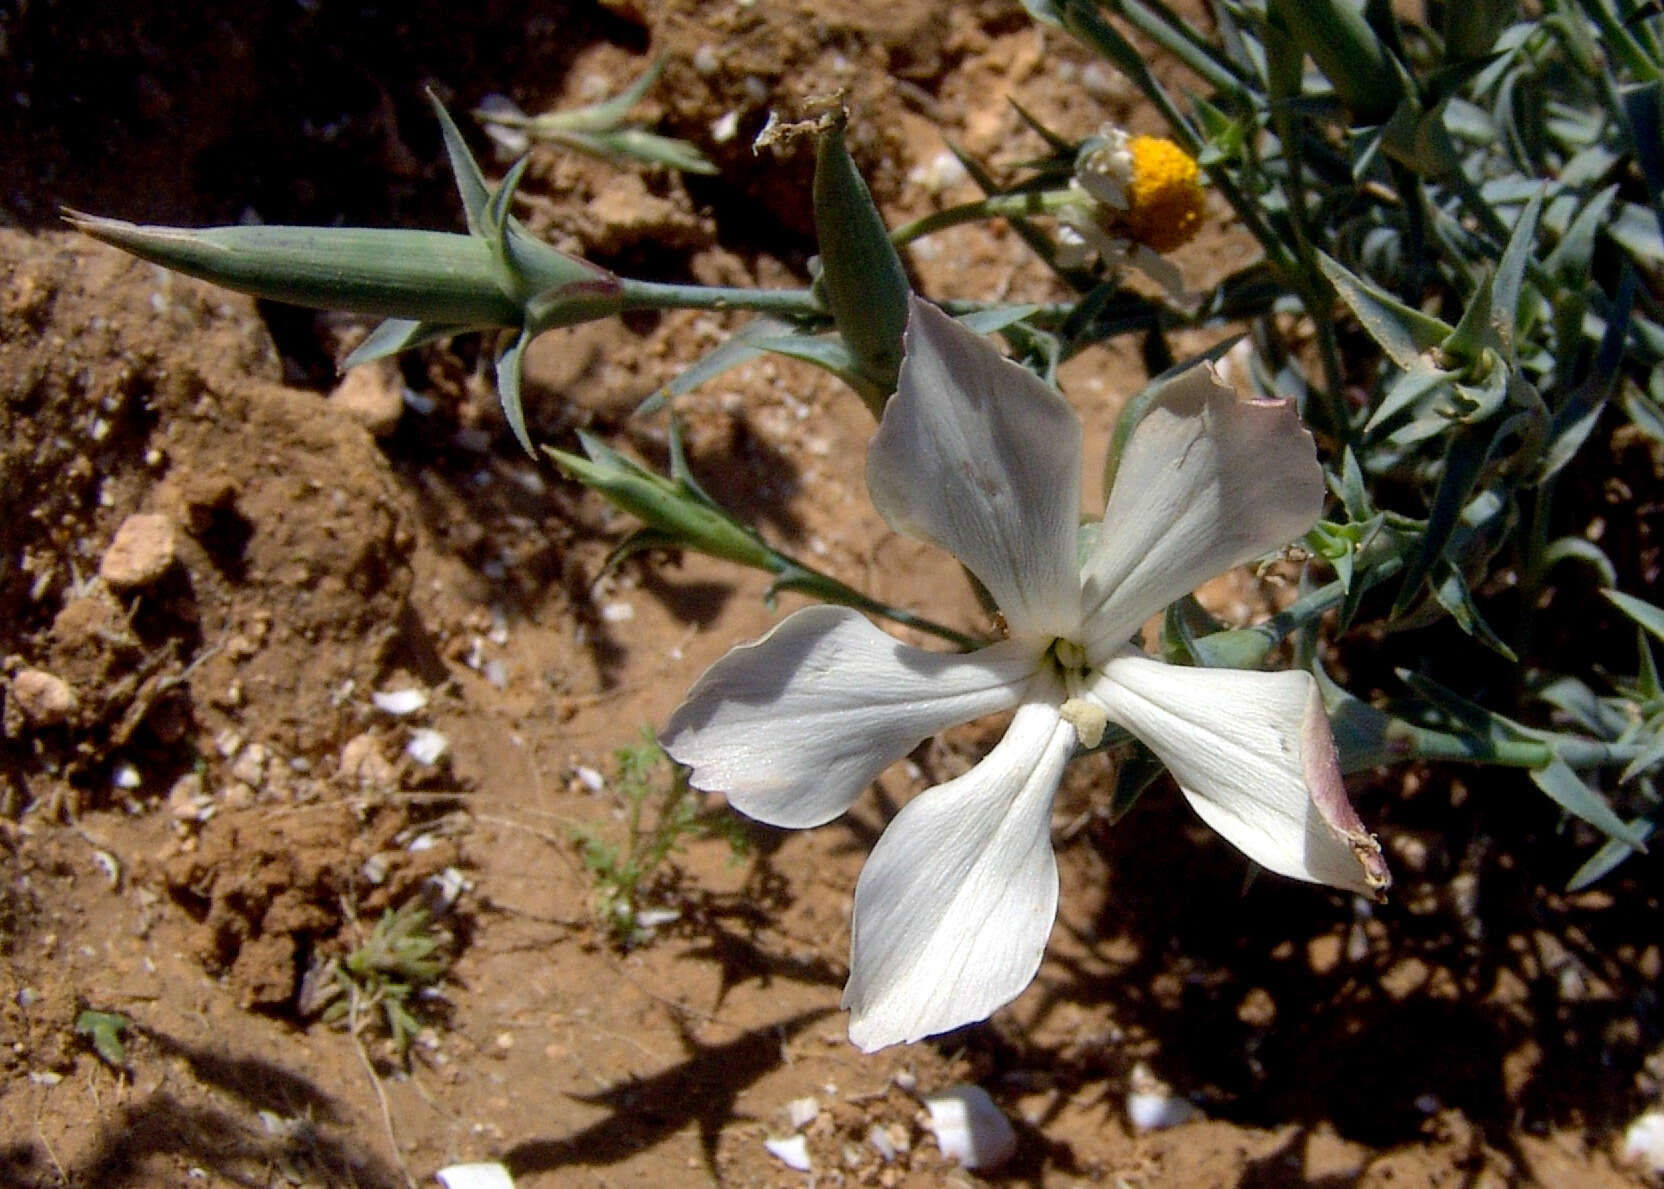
624,870
103,1030
405,953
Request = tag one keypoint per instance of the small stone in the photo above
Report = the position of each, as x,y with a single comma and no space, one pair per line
363,766
44,698
237,795
371,395
143,550
186,800
970,1127
250,768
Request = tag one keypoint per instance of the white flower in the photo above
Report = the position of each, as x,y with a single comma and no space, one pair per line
977,455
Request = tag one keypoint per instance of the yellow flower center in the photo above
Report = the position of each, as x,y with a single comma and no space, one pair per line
1165,203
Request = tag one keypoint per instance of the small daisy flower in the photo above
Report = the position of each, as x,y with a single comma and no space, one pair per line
1139,197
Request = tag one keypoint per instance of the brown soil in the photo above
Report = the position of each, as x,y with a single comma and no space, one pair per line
217,811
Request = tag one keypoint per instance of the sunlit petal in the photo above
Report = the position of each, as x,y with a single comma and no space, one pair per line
1206,481
979,456
954,906
795,725
1254,756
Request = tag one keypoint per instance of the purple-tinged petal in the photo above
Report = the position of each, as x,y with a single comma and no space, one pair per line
1253,754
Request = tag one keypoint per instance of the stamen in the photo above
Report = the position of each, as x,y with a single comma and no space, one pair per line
1089,721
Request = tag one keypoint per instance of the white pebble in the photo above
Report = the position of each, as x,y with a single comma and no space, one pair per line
400,701
590,778
619,612
881,1143
725,127
126,776
1154,1111
800,1112
970,1128
475,1176
1644,1142
426,746
793,1152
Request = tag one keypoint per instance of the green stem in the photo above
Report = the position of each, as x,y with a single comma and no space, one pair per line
1412,742
654,295
1033,202
794,575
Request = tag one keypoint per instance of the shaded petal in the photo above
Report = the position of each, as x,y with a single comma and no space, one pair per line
1206,481
981,457
954,906
794,726
1253,754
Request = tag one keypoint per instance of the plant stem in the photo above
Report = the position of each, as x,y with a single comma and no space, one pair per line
794,575
654,295
1032,202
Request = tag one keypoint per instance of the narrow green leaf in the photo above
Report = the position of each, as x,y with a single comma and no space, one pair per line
1651,756
1580,549
1567,790
1402,332
1643,613
747,344
1507,291
1463,459
396,335
508,389
470,182
1607,858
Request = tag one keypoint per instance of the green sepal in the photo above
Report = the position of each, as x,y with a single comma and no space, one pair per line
865,284
396,335
509,362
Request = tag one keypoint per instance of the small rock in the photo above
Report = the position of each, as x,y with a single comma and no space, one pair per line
970,1128
250,767
793,1152
44,698
143,550
1644,1142
237,795
187,802
1151,1103
400,702
426,746
800,1112
475,1176
372,395
364,767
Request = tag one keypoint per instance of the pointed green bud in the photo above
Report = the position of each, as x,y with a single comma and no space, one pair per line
428,277
865,283
671,508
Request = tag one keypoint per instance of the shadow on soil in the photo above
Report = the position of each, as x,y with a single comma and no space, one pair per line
222,1142
645,1112
1477,1003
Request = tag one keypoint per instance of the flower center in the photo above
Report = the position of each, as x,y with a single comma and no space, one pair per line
1165,200
1083,714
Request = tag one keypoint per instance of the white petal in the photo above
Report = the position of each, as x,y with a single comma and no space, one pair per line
981,457
1253,754
954,906
1206,481
795,725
